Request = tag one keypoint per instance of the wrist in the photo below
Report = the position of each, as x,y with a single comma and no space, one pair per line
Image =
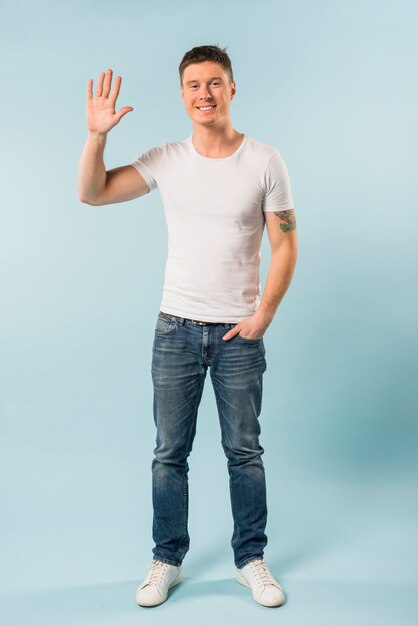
96,136
266,312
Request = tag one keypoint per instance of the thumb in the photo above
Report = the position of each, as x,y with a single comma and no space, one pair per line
231,333
123,111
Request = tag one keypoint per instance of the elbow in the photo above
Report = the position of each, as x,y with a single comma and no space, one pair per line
86,200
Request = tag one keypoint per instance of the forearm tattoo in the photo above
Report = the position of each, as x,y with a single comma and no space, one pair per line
289,218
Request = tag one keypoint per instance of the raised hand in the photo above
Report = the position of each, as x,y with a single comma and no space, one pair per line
100,110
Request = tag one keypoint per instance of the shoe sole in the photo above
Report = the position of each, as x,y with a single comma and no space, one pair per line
175,582
242,581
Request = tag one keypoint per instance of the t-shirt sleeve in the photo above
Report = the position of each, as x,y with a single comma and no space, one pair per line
278,191
147,164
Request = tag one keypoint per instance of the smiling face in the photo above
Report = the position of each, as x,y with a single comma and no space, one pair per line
205,85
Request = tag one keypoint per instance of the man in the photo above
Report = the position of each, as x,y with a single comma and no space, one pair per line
219,188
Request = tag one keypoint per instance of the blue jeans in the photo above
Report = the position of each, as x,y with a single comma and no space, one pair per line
182,352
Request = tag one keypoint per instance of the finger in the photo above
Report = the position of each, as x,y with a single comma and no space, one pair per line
123,111
90,89
99,88
116,88
229,335
107,83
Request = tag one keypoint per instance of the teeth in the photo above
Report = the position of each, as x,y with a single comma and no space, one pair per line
206,108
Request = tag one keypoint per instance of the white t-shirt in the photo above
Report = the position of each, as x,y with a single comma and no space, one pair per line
214,213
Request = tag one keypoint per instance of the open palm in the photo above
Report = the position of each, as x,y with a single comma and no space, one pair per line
100,110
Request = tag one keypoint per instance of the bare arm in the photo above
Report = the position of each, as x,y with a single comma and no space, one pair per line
281,231
91,170
97,186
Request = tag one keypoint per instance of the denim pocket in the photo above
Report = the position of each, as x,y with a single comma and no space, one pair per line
249,340
165,324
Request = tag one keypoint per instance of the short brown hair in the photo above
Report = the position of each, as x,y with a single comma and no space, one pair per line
207,53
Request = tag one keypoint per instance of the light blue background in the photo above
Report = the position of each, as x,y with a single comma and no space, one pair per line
332,85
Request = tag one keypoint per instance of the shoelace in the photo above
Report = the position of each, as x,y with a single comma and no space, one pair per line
158,570
262,573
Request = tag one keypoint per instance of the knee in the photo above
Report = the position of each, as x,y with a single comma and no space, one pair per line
243,454
174,455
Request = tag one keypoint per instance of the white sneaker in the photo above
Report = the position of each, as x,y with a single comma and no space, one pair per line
257,576
161,578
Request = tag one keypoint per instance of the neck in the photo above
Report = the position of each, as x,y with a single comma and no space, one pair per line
215,141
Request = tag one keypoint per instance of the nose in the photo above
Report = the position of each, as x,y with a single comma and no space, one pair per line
204,93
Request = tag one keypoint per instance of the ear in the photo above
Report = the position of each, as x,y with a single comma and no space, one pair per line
233,89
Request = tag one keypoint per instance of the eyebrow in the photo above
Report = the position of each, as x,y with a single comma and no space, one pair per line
213,78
